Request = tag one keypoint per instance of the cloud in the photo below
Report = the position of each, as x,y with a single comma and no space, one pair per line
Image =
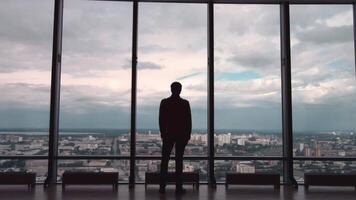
248,93
322,34
26,38
148,65
246,21
97,28
247,38
246,75
152,48
304,16
143,65
80,98
172,45
24,95
167,25
171,17
188,76
30,28
253,59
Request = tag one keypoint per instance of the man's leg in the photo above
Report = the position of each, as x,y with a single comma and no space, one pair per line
180,146
167,146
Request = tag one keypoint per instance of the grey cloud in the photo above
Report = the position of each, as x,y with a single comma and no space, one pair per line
185,23
94,107
266,22
84,95
304,16
142,65
197,87
20,21
322,34
148,65
92,66
312,64
253,60
152,48
25,35
17,96
265,59
100,30
93,28
239,27
33,88
159,17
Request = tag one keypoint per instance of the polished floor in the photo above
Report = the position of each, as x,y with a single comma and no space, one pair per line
151,193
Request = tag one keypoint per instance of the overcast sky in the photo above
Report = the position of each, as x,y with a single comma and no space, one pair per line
172,46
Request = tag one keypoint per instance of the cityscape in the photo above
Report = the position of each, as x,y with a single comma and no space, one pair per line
148,142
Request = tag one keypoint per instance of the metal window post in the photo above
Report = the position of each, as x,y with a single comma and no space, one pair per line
55,93
133,95
287,121
211,151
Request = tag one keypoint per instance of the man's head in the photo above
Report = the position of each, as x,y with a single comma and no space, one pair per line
176,88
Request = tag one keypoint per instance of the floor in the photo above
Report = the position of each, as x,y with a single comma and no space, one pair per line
151,193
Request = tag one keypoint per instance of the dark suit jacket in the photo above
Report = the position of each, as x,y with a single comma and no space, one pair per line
175,120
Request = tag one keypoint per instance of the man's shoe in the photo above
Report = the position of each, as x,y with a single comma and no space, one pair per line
162,190
180,191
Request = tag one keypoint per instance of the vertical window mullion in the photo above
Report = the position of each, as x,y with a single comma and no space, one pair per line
211,152
55,92
287,121
133,94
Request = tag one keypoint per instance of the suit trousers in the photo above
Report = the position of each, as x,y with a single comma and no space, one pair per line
167,147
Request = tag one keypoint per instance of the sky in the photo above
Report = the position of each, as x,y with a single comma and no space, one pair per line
172,46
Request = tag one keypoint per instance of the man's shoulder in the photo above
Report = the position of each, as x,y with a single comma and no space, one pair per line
164,100
185,101
170,99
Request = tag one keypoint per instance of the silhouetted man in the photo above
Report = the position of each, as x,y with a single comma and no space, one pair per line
175,124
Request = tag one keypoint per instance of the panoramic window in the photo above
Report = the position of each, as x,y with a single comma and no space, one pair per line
247,87
324,87
25,73
96,81
172,47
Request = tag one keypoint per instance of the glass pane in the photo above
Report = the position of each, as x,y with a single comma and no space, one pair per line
120,166
234,166
25,73
172,47
323,78
247,81
39,167
341,167
96,78
143,166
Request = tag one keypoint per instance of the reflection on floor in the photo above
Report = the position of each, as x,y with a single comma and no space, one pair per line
151,193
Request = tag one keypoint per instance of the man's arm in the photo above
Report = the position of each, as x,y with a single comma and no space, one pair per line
162,119
189,119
